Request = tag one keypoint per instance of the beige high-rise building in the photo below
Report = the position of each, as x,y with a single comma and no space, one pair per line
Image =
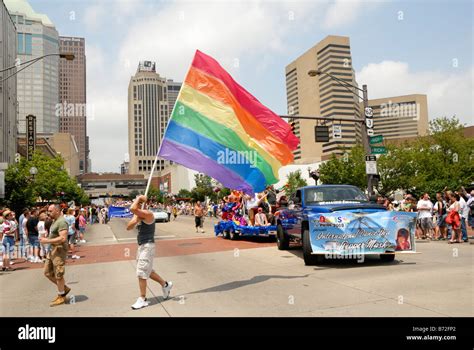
151,99
400,117
72,96
323,97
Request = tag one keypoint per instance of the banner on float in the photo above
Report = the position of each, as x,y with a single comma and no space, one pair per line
119,212
346,233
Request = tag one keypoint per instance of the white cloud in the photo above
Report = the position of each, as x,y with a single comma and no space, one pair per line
344,12
248,32
94,16
448,93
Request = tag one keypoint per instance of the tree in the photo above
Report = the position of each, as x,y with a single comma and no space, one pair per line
184,193
348,169
203,189
51,183
294,181
155,195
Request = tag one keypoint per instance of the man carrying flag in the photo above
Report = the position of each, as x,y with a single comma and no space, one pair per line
146,251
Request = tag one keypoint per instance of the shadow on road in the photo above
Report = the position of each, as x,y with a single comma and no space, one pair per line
74,299
335,263
238,284
253,239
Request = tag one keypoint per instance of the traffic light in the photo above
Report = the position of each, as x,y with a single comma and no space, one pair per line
321,133
293,127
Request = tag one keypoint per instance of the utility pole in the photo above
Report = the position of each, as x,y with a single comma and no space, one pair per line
368,125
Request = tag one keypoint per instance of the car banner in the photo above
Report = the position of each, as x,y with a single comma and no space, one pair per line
119,212
348,233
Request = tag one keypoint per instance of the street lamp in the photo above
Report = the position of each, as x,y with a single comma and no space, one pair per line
365,99
33,171
66,55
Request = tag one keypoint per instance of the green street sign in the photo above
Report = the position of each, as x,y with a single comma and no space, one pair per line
378,150
376,139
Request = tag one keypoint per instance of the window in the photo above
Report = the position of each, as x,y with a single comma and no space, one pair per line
21,48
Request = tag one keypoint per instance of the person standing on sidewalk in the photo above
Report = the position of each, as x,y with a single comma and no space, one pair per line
32,232
54,267
82,225
464,214
146,251
425,219
71,235
8,239
198,214
43,232
22,220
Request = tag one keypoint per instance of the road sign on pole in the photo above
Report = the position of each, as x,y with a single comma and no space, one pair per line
337,131
376,139
379,150
371,165
30,136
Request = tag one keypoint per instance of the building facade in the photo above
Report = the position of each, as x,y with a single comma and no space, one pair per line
174,178
8,88
65,145
108,184
38,85
323,97
400,117
150,101
73,109
124,168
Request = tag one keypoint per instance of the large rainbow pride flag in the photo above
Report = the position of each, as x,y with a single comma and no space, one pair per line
218,128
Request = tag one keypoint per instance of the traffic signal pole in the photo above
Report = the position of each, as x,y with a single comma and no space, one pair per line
365,138
364,126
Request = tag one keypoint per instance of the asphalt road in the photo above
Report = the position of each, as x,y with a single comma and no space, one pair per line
217,277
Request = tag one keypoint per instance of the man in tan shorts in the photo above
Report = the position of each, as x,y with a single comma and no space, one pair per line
146,251
55,262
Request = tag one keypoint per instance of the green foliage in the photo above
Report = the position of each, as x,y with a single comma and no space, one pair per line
51,183
183,193
444,158
155,195
348,169
203,189
294,181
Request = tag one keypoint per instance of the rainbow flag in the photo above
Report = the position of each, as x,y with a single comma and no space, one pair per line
218,128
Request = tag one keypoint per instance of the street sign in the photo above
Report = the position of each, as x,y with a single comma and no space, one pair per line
370,158
369,112
376,139
371,167
370,132
337,131
378,150
30,136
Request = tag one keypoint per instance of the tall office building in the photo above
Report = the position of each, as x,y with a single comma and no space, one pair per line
400,117
38,85
324,97
8,92
72,96
150,102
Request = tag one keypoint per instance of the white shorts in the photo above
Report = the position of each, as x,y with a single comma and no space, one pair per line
145,255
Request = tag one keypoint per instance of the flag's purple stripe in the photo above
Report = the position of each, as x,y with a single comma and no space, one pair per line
193,159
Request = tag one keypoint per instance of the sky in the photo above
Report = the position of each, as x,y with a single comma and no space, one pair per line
397,47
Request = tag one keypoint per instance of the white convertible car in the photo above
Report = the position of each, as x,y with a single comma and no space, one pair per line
160,215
